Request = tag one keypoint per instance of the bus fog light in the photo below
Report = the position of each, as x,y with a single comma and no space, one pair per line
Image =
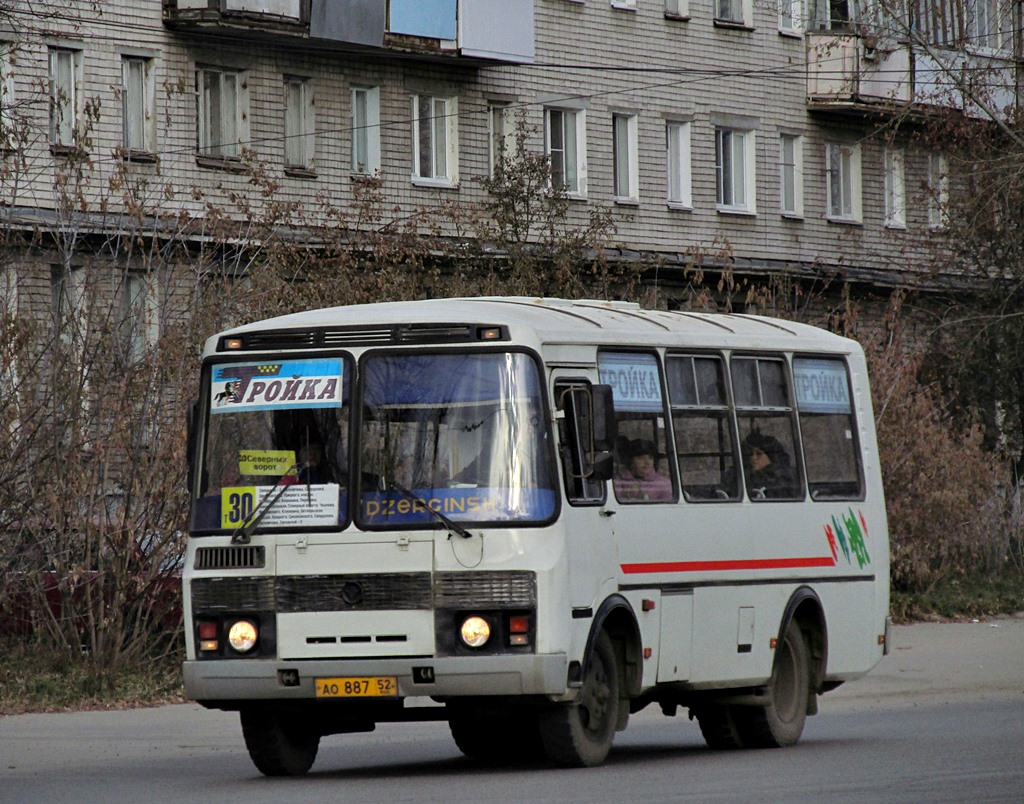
475,631
242,636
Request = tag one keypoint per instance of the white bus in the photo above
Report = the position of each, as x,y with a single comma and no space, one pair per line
530,518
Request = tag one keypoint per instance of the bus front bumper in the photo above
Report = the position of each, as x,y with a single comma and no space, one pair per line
209,681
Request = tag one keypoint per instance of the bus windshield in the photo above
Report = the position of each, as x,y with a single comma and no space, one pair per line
273,424
461,433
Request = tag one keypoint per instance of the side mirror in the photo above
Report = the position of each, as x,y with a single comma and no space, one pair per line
604,422
191,421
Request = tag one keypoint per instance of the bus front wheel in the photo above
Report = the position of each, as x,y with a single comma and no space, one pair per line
278,745
580,734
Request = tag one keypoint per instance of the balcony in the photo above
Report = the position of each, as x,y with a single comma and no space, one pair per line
864,74
459,30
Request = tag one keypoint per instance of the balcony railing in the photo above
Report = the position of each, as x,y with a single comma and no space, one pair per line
492,30
856,73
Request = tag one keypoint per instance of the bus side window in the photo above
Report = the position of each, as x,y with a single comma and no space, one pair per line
767,429
583,485
828,429
643,467
701,418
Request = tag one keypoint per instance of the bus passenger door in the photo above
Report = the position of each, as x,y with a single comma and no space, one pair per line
582,412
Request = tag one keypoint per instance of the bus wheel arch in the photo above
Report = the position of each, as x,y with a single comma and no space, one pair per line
580,733
805,609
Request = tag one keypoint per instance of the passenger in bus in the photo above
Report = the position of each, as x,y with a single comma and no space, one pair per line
639,480
769,469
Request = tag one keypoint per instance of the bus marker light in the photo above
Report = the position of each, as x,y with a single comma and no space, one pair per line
648,653
773,643
519,624
232,343
647,604
490,334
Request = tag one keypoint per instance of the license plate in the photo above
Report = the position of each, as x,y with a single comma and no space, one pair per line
367,687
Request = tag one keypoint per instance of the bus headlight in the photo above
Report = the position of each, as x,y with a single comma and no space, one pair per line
242,636
475,631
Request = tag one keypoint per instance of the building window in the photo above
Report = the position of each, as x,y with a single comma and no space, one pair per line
734,12
141,322
734,170
565,143
500,134
624,153
137,105
65,78
842,177
938,191
625,4
435,139
8,125
366,131
680,193
791,16
677,8
791,178
895,189
299,124
982,24
223,112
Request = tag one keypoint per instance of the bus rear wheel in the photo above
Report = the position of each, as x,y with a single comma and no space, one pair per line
781,722
580,734
278,744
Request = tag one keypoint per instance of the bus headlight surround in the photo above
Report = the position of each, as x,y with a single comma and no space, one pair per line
242,636
475,631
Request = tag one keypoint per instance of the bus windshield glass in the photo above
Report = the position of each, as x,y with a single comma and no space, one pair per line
274,424
461,433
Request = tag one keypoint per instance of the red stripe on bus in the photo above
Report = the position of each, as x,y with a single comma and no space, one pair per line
715,566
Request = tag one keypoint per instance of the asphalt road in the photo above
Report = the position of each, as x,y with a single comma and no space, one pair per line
940,719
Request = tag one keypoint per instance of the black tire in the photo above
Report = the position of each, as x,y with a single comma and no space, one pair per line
580,734
781,722
278,744
497,737
718,725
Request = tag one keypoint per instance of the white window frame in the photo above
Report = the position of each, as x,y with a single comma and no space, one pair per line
435,144
141,314
232,128
938,191
791,16
138,105
501,134
791,175
735,170
624,5
299,123
625,158
678,164
982,25
843,182
8,121
677,8
65,77
365,116
567,152
895,188
9,368
734,12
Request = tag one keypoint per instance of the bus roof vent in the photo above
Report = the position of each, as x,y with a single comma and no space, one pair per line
372,335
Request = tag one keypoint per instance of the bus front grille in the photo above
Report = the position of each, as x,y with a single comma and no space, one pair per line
235,557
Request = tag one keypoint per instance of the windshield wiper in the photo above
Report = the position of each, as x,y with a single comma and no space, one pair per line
453,526
243,535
